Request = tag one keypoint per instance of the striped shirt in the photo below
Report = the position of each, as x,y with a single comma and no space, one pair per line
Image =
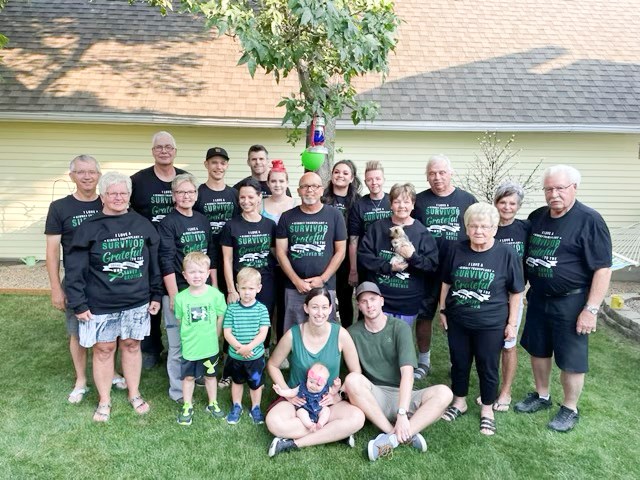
245,323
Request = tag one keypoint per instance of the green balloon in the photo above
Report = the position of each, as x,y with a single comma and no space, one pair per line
312,160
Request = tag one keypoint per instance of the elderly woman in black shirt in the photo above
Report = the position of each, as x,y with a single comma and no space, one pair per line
114,283
481,291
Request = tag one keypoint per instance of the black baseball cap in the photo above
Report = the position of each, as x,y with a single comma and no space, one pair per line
216,152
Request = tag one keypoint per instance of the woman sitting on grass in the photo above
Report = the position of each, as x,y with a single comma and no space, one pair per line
316,340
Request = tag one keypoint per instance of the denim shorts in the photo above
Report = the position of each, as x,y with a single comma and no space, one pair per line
133,323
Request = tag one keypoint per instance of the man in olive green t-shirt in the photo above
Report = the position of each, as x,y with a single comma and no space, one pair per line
384,390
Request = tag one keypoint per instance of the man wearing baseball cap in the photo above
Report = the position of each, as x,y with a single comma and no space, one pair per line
384,389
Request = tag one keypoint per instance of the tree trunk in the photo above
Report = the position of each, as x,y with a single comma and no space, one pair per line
330,143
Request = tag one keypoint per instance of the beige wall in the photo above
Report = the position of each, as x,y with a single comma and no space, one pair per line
34,159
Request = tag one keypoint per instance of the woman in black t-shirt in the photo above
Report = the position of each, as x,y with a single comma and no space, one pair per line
343,192
481,289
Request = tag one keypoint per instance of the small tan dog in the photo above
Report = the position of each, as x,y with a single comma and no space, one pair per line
398,240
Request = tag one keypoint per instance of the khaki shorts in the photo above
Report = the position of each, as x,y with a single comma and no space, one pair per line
387,398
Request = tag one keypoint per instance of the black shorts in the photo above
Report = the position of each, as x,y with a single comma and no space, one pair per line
250,372
209,367
550,330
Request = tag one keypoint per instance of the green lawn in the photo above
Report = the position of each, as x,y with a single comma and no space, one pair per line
42,436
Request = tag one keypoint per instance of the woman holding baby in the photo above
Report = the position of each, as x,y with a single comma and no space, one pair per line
397,253
315,341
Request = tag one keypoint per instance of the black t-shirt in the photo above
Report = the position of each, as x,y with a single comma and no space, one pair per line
113,264
218,206
365,212
264,185
563,253
480,284
443,216
516,235
180,235
402,291
251,243
65,215
150,196
311,240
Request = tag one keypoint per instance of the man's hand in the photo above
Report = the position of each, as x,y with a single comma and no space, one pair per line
443,322
402,429
315,282
353,278
232,297
58,299
302,286
509,333
586,323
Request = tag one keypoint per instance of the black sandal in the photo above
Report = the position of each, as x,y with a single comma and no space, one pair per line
488,424
451,413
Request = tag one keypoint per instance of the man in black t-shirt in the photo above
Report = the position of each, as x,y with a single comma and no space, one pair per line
151,198
258,161
568,264
311,241
441,209
64,217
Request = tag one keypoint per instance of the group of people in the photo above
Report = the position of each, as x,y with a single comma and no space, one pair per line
213,262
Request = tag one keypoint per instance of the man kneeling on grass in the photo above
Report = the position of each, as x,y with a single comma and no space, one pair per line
384,390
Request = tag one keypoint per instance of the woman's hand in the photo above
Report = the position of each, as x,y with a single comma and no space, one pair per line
353,278
330,399
154,307
509,333
232,297
399,266
443,322
58,299
84,316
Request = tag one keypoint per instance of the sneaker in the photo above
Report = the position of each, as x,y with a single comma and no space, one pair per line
185,415
149,360
234,414
422,371
418,442
564,420
214,410
279,445
381,446
200,381
224,383
179,401
256,415
532,403
350,441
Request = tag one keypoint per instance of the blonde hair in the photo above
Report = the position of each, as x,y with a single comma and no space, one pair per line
197,258
373,165
248,274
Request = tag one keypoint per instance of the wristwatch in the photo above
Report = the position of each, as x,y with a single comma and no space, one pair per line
591,309
402,411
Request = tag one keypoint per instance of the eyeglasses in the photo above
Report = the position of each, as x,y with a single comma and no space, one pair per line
184,193
480,227
117,194
557,189
310,187
82,173
160,148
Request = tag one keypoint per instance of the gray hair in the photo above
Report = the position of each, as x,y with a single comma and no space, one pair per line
183,177
83,158
482,209
113,178
508,188
158,134
440,158
572,174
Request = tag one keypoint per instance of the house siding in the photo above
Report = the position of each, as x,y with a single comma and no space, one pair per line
35,156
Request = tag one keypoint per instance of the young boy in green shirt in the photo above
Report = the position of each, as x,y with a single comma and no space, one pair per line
200,310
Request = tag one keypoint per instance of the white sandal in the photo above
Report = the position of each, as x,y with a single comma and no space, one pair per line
119,383
77,394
